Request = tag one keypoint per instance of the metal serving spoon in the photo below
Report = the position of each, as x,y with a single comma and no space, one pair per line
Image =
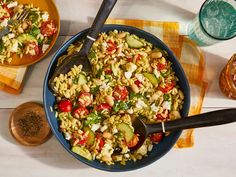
201,120
81,57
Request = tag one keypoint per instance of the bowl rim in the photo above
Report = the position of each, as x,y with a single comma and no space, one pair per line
175,134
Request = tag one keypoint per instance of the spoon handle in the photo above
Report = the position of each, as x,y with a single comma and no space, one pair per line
201,120
103,13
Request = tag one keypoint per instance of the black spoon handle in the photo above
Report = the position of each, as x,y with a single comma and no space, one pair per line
201,120
103,13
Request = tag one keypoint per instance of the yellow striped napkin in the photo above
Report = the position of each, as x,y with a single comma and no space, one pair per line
190,57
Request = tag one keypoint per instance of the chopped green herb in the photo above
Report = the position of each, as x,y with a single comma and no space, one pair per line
95,90
99,73
33,16
121,105
134,95
92,118
166,97
40,42
75,80
34,31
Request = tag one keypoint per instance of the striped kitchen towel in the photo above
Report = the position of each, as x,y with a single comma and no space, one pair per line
190,56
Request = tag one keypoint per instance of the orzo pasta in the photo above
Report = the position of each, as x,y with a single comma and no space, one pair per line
130,77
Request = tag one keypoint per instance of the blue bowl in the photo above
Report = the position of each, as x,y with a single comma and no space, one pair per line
158,150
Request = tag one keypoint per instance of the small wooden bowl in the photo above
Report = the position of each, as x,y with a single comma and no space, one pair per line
28,124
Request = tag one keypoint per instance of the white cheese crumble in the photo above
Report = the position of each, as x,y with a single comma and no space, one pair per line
154,107
45,16
166,105
103,128
157,73
104,45
45,47
140,77
114,130
130,111
107,149
95,127
128,74
67,136
12,4
131,67
103,86
140,104
14,46
4,23
11,35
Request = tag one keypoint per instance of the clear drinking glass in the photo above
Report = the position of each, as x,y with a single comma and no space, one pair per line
215,22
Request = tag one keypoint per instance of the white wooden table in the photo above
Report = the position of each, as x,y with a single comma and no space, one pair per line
214,152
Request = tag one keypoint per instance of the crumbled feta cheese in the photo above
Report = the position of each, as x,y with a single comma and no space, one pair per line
103,128
103,86
140,77
154,107
45,47
126,155
121,54
11,35
12,4
166,105
14,46
157,73
114,130
45,16
130,111
107,149
67,136
140,104
131,67
128,74
4,23
104,45
95,127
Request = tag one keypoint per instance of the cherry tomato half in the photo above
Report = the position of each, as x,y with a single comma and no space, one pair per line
137,57
101,142
120,93
133,142
161,66
33,46
65,106
156,137
104,107
163,116
168,87
48,28
108,71
80,112
85,99
138,83
111,46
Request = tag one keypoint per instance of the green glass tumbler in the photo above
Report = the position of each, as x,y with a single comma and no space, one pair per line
215,22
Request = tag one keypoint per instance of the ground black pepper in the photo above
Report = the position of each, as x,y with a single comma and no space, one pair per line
30,124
